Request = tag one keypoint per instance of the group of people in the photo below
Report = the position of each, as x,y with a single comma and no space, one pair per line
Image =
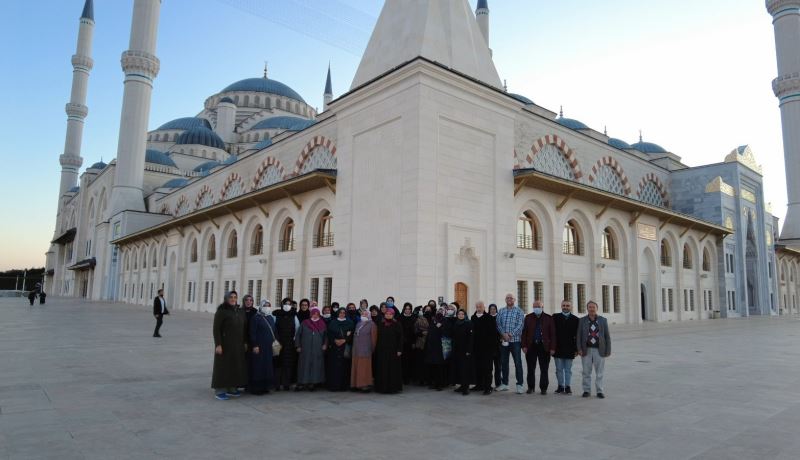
302,347
37,292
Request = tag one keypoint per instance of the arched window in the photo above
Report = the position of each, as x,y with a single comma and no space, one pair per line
551,160
608,246
529,234
257,243
687,257
666,256
144,258
136,261
286,242
154,257
127,261
211,254
324,231
651,194
233,245
193,252
164,255
572,239
706,261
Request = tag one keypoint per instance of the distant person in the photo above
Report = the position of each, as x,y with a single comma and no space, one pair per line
496,361
286,325
230,367
42,295
463,341
32,297
594,346
159,310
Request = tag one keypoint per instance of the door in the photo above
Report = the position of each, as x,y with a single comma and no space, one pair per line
644,302
461,295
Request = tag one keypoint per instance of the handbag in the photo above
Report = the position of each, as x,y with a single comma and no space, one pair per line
276,346
348,349
447,347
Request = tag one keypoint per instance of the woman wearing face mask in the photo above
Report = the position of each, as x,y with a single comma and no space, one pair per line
364,341
352,313
303,312
311,342
262,334
388,353
462,352
420,335
340,339
433,352
248,304
286,325
447,333
230,367
326,314
407,322
496,359
486,338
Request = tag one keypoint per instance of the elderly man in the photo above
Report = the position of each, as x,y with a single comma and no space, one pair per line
486,342
538,343
594,346
509,325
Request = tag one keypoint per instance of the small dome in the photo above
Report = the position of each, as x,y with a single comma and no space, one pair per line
263,144
284,122
263,85
619,143
178,182
648,147
98,165
226,100
201,136
159,158
185,123
570,123
74,189
207,166
230,160
521,98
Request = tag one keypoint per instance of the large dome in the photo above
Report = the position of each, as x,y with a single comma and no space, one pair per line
185,123
285,122
263,85
201,136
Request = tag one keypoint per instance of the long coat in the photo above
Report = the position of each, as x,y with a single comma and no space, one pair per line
262,372
566,335
462,334
433,353
486,338
364,341
230,368
311,367
388,366
286,326
338,365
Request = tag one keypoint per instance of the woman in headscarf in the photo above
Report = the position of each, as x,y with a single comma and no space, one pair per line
434,352
407,321
352,313
374,314
302,310
496,359
447,333
484,350
364,341
420,336
230,367
262,335
340,342
311,342
388,352
248,305
326,314
462,352
286,326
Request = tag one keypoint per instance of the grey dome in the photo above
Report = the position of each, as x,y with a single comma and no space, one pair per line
159,158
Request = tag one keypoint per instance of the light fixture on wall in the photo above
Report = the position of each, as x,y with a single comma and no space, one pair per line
262,261
663,271
704,275
336,252
509,255
213,266
601,265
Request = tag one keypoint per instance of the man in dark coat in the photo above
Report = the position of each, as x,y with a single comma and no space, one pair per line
538,344
486,345
566,325
159,310
230,366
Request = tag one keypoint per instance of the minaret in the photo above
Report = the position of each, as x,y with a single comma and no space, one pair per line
77,111
786,21
482,16
141,67
328,96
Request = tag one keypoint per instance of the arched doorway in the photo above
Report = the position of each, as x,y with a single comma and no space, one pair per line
171,274
643,294
462,295
647,270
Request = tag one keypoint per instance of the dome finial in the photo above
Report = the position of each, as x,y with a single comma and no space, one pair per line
505,85
561,112
640,136
605,130
265,69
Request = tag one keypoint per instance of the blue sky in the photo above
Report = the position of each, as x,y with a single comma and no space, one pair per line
694,76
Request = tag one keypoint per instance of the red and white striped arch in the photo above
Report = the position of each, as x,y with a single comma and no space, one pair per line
568,153
315,142
616,167
650,177
269,161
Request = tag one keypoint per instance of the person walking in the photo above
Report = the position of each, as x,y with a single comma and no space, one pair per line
311,342
566,325
262,335
31,296
538,344
230,367
364,341
42,296
486,341
594,346
509,324
159,310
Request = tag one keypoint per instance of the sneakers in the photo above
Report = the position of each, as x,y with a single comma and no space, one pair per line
585,394
520,390
234,394
222,396
601,395
502,388
559,390
567,391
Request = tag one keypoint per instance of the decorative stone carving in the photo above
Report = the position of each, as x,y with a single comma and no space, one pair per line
745,156
786,85
748,195
76,110
775,6
80,62
70,160
140,63
717,185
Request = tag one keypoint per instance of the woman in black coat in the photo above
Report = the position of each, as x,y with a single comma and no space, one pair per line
462,351
230,366
338,360
496,359
407,321
485,347
433,355
388,351
286,324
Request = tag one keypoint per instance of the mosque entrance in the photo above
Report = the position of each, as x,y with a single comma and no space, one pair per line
461,295
643,294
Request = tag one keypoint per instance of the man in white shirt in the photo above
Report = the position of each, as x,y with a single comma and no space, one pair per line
159,310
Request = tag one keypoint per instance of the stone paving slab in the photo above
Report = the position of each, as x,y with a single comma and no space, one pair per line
86,381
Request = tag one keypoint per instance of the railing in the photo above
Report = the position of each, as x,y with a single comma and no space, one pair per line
666,261
529,242
286,245
233,252
323,241
256,249
575,249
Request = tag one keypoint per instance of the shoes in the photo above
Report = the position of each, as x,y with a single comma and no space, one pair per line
585,394
567,391
559,390
222,396
520,390
157,335
459,389
502,388
601,396
234,394
487,392
530,391
544,392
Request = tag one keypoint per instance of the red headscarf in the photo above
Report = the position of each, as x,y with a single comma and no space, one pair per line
316,326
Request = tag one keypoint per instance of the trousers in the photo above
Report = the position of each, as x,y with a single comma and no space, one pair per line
593,360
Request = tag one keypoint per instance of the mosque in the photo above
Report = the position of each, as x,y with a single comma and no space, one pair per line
427,179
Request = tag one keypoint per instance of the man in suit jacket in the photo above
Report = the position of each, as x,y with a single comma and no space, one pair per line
594,346
538,344
159,310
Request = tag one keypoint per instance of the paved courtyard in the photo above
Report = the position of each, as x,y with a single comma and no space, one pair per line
87,381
